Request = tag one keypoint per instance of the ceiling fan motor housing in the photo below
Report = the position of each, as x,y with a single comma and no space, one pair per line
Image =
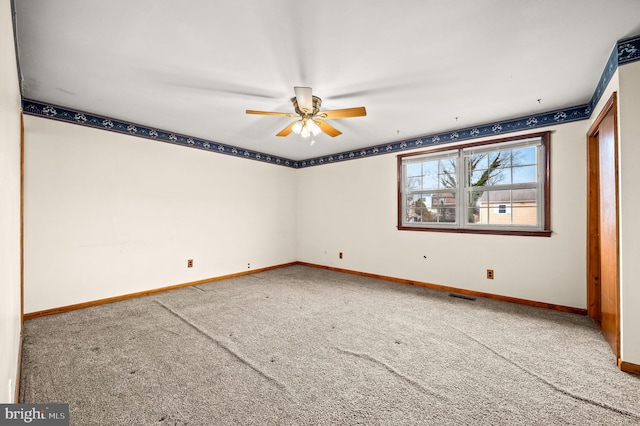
316,102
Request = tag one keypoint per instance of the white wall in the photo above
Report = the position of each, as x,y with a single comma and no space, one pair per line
351,207
10,319
109,214
629,175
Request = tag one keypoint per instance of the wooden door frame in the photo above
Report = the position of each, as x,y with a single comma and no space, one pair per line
21,221
19,368
593,217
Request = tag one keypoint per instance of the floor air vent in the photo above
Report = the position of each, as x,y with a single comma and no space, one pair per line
462,296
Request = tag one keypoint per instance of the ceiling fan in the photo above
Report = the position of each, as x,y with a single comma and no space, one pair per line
310,120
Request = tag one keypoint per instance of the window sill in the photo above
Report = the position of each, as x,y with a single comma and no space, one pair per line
522,233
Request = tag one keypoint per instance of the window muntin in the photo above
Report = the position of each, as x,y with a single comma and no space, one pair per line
504,187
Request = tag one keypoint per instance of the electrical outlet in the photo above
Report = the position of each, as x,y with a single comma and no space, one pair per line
190,263
489,274
248,265
340,255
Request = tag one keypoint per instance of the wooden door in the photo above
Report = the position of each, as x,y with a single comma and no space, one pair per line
602,217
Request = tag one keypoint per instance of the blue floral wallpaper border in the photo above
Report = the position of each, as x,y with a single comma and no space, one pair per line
628,50
581,112
59,113
625,51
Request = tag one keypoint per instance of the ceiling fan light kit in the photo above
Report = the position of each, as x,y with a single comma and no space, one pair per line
310,119
306,127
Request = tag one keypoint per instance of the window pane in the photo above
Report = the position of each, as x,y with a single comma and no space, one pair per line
431,207
448,167
524,207
414,208
524,196
430,181
501,177
524,215
414,169
524,156
474,161
490,204
446,215
415,199
430,175
473,202
474,215
497,197
476,165
430,168
498,172
525,174
497,159
413,183
476,178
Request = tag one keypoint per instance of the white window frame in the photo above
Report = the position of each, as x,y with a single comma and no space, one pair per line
433,157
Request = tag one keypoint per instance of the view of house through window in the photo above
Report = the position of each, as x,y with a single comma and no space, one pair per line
498,185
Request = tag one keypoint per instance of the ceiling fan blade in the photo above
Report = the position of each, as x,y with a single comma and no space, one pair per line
282,114
304,98
343,113
287,130
328,129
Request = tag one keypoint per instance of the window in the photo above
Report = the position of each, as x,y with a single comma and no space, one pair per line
501,209
498,186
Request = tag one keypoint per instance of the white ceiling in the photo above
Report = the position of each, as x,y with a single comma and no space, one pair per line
419,66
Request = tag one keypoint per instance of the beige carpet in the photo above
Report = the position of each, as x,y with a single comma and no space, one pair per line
305,346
